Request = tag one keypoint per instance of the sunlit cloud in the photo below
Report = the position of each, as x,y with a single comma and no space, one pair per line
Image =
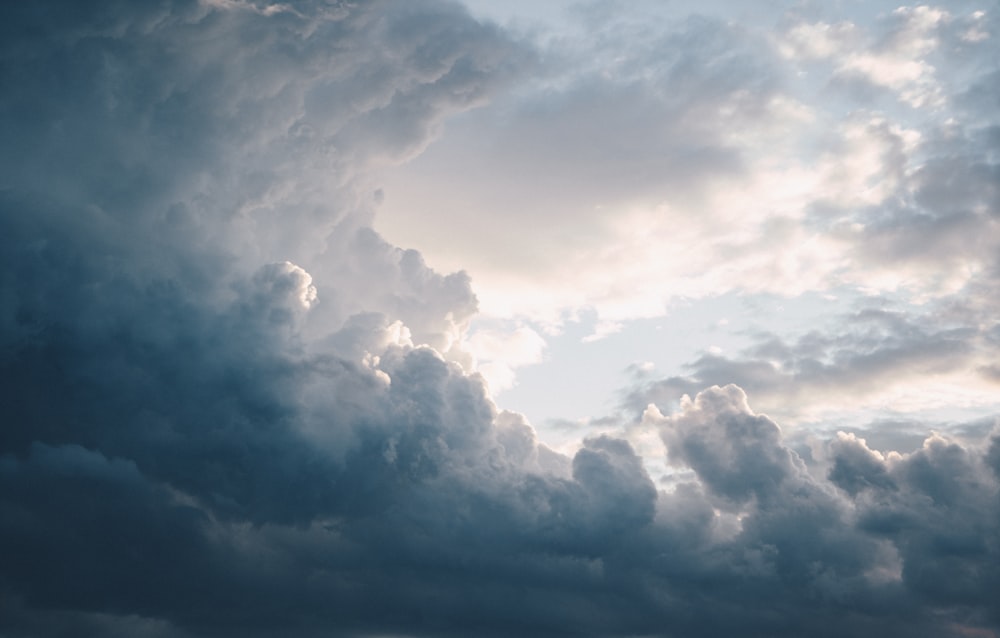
610,319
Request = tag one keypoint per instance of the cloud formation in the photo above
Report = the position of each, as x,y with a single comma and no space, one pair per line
231,408
720,156
878,358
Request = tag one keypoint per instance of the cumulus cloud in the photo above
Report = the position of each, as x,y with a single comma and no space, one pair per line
232,408
736,457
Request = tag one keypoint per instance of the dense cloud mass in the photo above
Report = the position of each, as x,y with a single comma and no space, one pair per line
231,408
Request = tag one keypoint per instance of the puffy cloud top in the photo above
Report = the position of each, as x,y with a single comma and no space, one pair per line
231,408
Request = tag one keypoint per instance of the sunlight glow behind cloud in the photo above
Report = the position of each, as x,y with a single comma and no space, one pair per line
325,318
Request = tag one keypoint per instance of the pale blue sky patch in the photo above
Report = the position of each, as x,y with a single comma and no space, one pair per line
593,372
676,157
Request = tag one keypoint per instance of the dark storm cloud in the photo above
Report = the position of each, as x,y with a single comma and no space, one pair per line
213,424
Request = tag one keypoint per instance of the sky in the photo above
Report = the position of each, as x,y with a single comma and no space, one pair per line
429,319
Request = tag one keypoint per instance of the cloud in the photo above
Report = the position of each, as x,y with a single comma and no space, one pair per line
231,408
880,527
604,209
735,457
498,353
880,359
717,158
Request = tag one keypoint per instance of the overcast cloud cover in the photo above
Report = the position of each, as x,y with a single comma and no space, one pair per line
232,407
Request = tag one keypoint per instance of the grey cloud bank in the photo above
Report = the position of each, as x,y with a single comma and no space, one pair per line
231,408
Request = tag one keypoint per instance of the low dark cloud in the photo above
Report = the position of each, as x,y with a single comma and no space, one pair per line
230,408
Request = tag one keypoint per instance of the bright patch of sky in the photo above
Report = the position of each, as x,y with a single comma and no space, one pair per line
693,193
593,366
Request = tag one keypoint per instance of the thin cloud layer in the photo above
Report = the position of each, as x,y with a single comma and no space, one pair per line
231,408
874,358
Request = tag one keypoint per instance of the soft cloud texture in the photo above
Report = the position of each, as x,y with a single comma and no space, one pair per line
232,408
882,359
718,156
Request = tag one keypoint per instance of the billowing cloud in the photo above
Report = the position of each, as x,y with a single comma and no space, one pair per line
232,408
